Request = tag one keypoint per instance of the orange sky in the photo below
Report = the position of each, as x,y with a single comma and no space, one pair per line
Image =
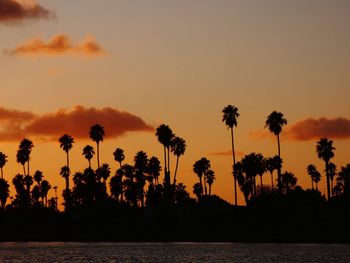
135,65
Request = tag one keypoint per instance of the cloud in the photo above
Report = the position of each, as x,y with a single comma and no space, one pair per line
313,129
16,125
58,45
12,11
228,153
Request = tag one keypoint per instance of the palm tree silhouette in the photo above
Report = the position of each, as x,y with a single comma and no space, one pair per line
230,116
96,134
252,165
22,157
26,147
344,178
288,181
210,177
45,187
178,147
104,172
332,170
272,164
198,190
88,152
154,168
119,156
66,143
65,173
311,171
325,151
200,167
275,121
165,135
38,177
4,193
3,161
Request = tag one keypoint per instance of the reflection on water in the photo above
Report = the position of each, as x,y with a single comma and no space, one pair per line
173,252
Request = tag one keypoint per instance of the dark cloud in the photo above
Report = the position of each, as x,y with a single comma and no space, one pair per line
12,11
77,122
58,45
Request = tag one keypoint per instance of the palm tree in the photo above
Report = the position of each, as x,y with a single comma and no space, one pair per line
344,178
325,151
45,187
28,181
178,147
230,116
4,193
198,190
104,172
22,157
272,164
88,153
311,170
288,181
3,161
96,134
200,167
38,177
210,177
66,143
252,165
332,170
26,146
165,135
154,168
275,121
119,156
65,172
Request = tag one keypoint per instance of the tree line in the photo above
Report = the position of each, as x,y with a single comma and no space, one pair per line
140,184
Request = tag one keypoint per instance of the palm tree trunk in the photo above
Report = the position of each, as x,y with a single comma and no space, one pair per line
205,186
261,183
24,169
67,184
98,154
67,159
28,166
2,174
165,167
168,148
331,186
312,184
210,190
279,168
272,181
89,163
201,183
234,164
328,185
177,164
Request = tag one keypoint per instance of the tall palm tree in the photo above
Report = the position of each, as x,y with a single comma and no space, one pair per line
325,151
230,116
88,152
22,158
45,187
26,146
66,143
119,156
272,164
4,193
275,121
165,135
3,161
200,167
97,133
65,173
210,177
178,147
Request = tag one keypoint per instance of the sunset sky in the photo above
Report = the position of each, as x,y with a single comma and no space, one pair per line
133,65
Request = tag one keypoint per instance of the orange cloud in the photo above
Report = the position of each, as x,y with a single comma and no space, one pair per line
58,45
311,129
14,11
228,153
16,125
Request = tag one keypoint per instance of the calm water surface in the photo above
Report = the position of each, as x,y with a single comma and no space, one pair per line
173,252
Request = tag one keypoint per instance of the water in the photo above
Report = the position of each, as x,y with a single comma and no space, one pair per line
173,252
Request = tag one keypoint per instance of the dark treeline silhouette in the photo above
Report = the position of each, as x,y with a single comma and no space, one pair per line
145,200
